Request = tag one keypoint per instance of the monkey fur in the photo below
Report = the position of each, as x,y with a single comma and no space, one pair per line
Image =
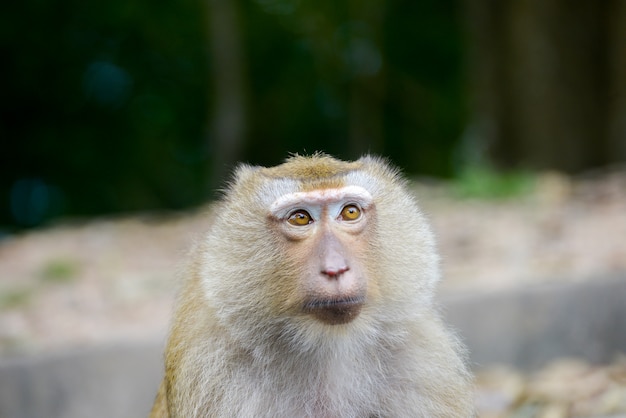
311,295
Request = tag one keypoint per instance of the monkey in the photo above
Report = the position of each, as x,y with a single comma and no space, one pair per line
312,295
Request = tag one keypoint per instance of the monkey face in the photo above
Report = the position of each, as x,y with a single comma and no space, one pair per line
322,228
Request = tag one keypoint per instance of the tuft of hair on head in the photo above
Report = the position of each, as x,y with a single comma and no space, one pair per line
318,166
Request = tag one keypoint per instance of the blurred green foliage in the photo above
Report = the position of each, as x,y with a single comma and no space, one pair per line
15,298
483,181
59,271
106,106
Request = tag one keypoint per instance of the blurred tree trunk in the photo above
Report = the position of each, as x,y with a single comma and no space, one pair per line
541,73
617,80
228,121
367,87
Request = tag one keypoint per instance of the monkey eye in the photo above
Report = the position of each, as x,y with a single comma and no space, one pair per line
300,218
350,213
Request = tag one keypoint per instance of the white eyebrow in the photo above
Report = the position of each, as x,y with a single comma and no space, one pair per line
321,196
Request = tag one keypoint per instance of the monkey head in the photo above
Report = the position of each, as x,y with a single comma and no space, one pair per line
319,243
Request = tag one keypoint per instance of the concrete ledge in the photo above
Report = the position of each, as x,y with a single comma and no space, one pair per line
531,326
525,327
106,382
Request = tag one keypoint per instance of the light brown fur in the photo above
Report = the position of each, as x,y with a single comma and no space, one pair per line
241,344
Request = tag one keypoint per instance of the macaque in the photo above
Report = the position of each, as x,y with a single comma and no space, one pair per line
311,295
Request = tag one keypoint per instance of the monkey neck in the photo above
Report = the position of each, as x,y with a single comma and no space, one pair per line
320,378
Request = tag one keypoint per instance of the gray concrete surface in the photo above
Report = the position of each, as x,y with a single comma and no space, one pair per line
529,327
526,328
107,382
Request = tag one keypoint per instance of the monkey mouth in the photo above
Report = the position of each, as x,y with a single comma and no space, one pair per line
335,311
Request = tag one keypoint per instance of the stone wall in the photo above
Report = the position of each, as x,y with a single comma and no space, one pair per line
525,328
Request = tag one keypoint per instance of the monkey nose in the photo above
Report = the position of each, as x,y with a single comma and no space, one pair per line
334,271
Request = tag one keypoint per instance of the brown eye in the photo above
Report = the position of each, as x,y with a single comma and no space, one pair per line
300,218
350,213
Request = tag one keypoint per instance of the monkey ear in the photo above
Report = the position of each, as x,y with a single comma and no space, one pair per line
243,173
369,159
240,175
382,166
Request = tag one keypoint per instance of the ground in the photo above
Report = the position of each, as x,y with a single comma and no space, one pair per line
82,282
